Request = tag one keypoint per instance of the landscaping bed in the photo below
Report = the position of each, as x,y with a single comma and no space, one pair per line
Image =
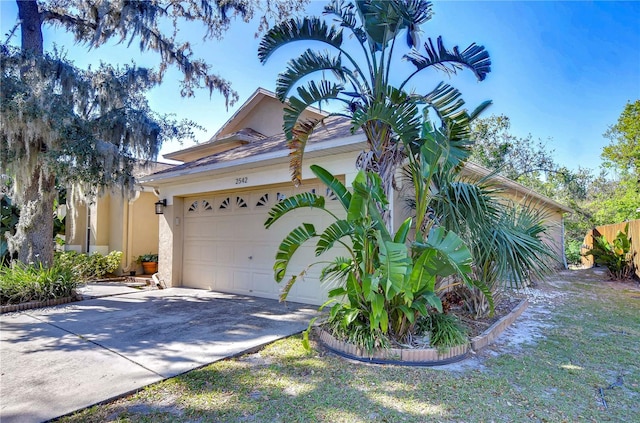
571,356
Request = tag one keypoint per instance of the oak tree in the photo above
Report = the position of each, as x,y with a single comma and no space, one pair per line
89,126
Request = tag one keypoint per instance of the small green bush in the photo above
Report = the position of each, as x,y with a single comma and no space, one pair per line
445,330
22,283
572,252
87,267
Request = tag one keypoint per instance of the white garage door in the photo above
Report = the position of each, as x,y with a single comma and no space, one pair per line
227,248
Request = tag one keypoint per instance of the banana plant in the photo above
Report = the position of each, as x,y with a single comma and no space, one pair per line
384,281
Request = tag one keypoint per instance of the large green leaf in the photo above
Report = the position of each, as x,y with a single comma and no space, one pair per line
380,20
332,183
403,231
395,264
334,232
422,277
304,199
289,246
310,28
452,257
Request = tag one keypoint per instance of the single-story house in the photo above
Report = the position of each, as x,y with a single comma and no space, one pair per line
211,232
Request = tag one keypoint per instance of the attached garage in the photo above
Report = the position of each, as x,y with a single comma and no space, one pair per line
211,231
226,247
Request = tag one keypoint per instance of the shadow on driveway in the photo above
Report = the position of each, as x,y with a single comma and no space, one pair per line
60,359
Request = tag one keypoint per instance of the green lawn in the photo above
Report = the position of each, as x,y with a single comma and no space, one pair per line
580,335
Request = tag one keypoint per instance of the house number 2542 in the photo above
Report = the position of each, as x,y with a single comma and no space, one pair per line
242,180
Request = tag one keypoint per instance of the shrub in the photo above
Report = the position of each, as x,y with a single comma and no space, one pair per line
86,267
22,283
572,252
616,256
445,330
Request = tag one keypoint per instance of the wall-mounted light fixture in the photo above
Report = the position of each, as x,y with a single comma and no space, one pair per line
160,205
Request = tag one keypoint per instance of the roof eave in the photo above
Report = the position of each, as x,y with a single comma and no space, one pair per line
345,144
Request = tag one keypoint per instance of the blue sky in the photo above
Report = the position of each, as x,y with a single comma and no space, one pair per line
562,71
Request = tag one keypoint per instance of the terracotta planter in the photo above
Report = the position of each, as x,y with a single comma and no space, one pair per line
150,267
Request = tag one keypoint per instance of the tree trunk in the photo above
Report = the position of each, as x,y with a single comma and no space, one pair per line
34,233
33,239
30,26
383,158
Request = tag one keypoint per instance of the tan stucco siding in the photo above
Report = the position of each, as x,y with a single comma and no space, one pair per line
268,122
171,228
171,243
100,224
76,227
144,223
116,223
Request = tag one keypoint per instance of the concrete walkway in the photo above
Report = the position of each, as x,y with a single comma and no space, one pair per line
57,360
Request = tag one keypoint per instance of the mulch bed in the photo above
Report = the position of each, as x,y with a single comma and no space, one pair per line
476,326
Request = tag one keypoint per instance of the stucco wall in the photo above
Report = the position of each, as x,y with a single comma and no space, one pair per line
170,237
117,223
144,223
76,227
268,122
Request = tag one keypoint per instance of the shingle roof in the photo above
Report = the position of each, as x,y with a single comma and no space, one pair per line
333,128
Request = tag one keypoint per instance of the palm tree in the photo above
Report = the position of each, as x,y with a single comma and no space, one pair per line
507,241
389,117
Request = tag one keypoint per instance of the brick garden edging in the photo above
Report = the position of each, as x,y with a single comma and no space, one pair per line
488,336
35,304
421,356
401,356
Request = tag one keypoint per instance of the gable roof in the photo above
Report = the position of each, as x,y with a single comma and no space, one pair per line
235,132
334,129
247,147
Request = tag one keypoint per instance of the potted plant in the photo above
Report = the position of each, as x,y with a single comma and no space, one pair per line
149,263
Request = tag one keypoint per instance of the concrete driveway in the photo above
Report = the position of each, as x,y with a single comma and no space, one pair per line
60,359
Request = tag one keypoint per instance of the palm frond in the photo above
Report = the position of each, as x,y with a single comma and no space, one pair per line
337,270
297,144
308,95
289,246
403,118
309,28
414,13
346,13
306,64
474,57
337,187
304,199
334,232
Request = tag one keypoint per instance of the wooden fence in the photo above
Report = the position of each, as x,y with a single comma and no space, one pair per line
610,232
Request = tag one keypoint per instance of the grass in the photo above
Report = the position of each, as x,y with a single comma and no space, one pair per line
590,336
23,283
